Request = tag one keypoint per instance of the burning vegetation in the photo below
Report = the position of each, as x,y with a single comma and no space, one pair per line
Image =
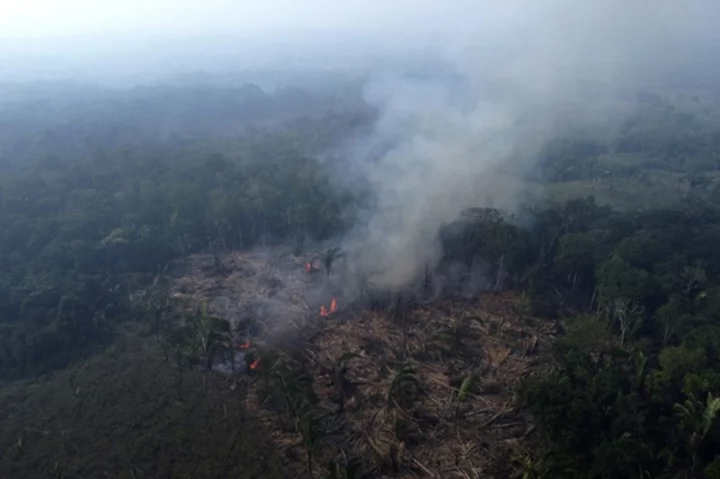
325,312
384,386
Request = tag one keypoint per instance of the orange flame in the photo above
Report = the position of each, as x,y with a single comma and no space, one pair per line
333,307
308,267
254,365
245,345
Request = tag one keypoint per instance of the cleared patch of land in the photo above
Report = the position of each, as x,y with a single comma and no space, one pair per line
425,392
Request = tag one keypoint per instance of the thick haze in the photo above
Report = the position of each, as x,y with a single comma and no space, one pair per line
38,18
520,72
535,73
147,40
48,18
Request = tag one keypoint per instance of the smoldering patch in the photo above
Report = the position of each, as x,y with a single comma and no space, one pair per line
264,294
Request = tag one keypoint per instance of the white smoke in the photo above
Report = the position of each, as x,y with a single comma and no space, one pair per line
528,72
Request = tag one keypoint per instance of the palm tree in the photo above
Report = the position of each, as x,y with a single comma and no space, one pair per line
534,469
209,335
697,419
364,285
310,432
641,370
403,387
544,466
693,277
342,384
330,256
428,280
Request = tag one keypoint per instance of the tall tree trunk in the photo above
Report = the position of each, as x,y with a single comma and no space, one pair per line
309,462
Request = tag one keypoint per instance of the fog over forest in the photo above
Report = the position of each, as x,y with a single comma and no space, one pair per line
359,239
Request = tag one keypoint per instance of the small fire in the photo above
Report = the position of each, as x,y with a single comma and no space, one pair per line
254,365
333,307
245,345
308,268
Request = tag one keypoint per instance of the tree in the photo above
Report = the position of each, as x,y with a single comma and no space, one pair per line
331,255
697,419
627,313
310,431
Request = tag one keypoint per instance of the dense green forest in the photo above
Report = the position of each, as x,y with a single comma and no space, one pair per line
634,394
80,234
636,292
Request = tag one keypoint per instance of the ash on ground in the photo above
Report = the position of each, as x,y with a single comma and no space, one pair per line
230,362
274,290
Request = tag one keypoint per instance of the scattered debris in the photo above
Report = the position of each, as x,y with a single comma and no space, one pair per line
271,289
392,389
408,389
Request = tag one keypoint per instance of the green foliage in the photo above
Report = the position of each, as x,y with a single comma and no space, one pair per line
466,386
640,342
697,418
487,233
637,293
79,239
676,136
160,419
203,336
289,388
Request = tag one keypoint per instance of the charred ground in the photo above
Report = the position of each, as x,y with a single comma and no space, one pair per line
416,391
388,383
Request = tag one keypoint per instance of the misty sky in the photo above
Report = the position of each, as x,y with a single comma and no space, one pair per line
38,18
34,18
103,38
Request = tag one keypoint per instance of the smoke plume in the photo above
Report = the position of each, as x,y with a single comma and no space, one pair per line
526,73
